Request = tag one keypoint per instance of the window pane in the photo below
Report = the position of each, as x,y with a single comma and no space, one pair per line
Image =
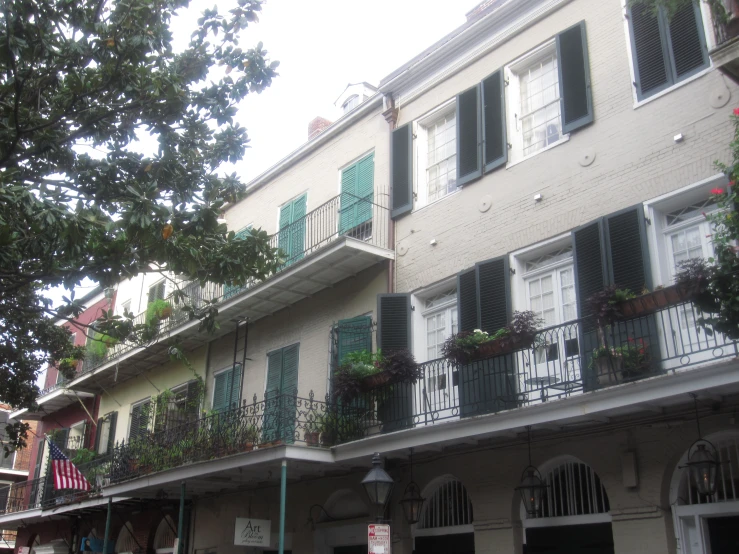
441,170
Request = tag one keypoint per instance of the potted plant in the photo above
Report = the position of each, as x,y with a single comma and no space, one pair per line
607,304
615,364
98,347
312,433
468,346
364,371
251,437
157,310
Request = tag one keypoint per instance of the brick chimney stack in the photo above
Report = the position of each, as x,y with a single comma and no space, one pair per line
317,126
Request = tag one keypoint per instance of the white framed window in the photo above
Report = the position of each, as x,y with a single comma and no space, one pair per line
440,321
157,290
436,142
350,103
76,437
125,306
533,101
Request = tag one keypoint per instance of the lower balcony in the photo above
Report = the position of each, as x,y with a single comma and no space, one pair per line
725,55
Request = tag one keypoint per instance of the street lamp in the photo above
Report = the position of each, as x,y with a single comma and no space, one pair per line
412,500
532,487
702,461
377,483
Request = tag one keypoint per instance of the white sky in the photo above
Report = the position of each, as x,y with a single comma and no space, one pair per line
322,46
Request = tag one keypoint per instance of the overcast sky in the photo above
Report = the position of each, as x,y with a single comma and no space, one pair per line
322,46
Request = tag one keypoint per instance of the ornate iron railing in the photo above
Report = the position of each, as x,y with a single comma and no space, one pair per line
725,21
564,360
274,421
344,216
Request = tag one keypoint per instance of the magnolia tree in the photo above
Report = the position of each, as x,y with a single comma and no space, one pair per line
111,144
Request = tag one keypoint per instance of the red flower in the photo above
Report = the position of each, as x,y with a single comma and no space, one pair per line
736,111
717,190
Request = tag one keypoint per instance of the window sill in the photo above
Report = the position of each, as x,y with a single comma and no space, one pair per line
564,139
419,208
639,103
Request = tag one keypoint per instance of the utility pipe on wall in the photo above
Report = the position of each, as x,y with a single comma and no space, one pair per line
283,495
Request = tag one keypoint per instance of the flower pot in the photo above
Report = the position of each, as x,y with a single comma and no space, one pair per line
658,299
375,381
609,370
248,446
312,438
164,313
328,438
270,444
498,347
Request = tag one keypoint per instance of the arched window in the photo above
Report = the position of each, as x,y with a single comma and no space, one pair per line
126,542
447,505
165,536
573,489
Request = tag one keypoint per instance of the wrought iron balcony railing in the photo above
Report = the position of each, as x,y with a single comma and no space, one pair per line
563,361
344,216
725,21
277,420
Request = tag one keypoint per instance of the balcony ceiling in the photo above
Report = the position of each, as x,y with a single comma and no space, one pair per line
331,264
52,402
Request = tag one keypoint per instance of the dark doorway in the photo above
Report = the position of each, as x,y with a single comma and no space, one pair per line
463,543
595,538
354,549
723,535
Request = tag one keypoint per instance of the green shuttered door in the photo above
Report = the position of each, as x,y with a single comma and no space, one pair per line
227,389
281,393
291,239
357,194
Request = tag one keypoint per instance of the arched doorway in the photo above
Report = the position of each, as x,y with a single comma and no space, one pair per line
575,512
445,523
165,536
126,542
706,524
341,523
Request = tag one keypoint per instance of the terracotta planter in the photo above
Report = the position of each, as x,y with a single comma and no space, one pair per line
270,444
312,438
502,346
248,446
658,299
374,381
164,313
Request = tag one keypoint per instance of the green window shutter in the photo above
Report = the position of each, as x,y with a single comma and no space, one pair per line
111,433
574,78
365,189
139,421
401,171
590,266
467,304
297,235
235,386
156,292
220,391
687,41
192,400
495,140
98,432
649,51
628,253
393,322
290,357
274,373
348,209
283,238
494,293
353,335
469,138
228,290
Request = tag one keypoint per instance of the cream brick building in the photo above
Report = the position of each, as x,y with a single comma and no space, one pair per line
540,152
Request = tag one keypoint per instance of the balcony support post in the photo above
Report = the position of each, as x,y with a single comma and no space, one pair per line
107,526
181,520
283,495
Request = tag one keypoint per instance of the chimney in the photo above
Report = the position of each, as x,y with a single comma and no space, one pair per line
317,126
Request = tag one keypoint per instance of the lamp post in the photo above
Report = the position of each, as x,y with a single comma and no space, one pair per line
378,484
532,487
412,501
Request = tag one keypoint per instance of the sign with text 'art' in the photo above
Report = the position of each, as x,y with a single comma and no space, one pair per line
252,532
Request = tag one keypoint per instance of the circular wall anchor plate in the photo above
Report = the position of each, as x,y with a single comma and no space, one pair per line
485,203
402,250
720,97
587,157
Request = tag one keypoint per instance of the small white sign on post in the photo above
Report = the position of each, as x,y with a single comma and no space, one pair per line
378,538
24,549
252,532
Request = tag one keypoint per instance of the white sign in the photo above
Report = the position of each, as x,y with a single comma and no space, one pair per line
252,532
24,549
378,539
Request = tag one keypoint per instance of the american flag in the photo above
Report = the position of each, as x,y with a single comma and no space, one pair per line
66,475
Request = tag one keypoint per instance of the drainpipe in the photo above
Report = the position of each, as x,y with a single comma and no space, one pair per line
107,526
283,494
390,114
181,520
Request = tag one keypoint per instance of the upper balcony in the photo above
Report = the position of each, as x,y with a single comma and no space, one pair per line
725,54
337,240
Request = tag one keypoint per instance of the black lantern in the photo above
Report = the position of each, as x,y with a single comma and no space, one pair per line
412,501
377,483
532,487
702,460
703,466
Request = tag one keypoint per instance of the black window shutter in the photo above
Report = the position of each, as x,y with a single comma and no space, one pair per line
393,322
111,433
687,43
590,268
467,305
628,253
494,293
574,78
469,138
98,432
648,51
192,398
401,172
495,140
